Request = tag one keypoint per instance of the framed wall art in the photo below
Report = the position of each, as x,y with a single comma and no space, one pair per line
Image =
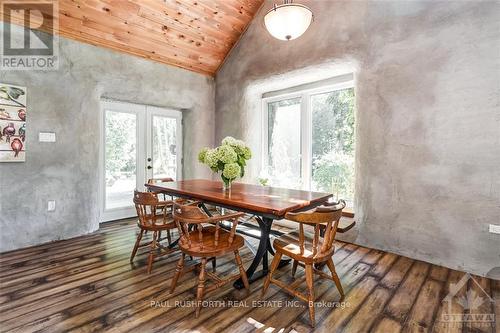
12,123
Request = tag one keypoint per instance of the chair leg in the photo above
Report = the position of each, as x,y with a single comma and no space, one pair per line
294,267
214,264
310,286
136,246
152,252
178,272
335,277
169,237
243,274
201,286
274,265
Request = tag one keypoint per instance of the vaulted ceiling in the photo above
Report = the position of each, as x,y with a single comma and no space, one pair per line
193,34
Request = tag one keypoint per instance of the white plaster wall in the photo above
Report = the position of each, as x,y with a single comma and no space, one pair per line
67,102
428,117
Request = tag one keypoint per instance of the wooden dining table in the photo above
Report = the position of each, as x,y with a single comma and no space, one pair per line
265,203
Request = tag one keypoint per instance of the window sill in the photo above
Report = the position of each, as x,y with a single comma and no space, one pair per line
348,213
346,224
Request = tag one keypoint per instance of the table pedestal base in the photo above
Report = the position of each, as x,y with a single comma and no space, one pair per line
261,255
264,248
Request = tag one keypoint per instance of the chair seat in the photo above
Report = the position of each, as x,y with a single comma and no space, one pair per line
207,248
289,245
159,223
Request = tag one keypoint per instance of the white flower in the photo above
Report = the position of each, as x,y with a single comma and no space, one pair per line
247,153
226,154
211,158
201,154
235,143
228,140
230,157
231,171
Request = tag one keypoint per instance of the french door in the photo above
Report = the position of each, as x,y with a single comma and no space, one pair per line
138,142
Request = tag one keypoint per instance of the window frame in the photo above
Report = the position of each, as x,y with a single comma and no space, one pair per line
305,125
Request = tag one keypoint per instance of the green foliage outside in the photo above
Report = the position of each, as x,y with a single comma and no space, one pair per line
120,145
164,147
333,143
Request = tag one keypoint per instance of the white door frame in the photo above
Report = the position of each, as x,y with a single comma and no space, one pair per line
144,115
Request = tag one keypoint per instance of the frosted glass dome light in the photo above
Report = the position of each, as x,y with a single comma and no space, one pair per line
288,21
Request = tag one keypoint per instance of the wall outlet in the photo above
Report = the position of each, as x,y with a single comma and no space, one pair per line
51,205
495,229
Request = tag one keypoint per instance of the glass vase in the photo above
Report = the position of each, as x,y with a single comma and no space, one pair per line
226,185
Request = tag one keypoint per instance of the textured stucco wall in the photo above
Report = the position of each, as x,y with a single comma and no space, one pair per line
427,78
67,102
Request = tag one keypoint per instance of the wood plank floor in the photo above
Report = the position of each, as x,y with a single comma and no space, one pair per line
86,284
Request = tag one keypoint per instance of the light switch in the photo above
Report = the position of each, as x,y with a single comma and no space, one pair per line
47,137
51,205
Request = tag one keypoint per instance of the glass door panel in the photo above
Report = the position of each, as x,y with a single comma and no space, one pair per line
164,143
164,147
284,143
120,158
122,165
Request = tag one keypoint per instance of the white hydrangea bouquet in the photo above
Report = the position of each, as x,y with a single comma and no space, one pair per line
229,159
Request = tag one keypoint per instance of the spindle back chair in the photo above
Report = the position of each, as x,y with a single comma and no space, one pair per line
307,249
163,197
152,181
152,219
207,239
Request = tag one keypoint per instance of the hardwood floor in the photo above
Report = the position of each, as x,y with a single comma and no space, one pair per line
87,284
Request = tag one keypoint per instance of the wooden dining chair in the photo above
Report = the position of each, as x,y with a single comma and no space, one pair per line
153,181
308,249
152,219
207,240
160,180
164,197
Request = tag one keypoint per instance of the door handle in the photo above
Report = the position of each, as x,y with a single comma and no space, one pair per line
150,167
149,159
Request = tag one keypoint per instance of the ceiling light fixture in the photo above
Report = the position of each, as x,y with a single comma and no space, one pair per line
288,21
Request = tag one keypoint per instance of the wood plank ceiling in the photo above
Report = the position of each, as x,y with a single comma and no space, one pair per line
192,34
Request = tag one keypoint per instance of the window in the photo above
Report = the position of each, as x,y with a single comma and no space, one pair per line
284,144
309,139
